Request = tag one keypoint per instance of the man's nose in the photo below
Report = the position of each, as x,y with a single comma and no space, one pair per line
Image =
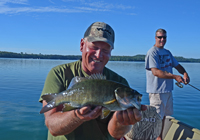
98,53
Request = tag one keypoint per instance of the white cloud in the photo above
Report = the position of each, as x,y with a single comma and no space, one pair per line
101,4
82,6
3,2
51,1
39,9
92,9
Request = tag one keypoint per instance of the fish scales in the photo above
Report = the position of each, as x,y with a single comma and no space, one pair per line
89,91
94,91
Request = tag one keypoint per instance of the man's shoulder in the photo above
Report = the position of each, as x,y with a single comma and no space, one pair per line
153,49
67,65
168,51
152,52
110,72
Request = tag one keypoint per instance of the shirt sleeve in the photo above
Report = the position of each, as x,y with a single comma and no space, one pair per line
151,60
54,82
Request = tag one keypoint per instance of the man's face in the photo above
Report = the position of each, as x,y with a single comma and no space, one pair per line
160,39
95,56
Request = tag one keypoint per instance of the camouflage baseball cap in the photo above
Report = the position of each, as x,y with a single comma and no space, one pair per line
100,31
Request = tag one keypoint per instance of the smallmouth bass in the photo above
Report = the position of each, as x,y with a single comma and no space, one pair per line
94,90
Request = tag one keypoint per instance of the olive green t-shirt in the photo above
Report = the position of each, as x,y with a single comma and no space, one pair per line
58,80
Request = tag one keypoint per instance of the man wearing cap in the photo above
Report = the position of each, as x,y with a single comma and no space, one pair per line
84,123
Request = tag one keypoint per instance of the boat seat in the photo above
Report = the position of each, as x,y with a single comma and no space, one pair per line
181,131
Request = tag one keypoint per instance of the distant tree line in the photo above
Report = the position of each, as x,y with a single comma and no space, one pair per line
4,54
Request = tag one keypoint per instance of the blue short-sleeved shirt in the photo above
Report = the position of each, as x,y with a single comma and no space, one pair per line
163,60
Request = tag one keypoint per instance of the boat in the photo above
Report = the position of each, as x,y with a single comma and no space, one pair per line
149,128
177,130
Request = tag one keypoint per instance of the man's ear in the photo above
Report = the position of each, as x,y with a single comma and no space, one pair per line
82,44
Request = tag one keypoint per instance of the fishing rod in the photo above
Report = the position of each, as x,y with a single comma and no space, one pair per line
181,86
194,87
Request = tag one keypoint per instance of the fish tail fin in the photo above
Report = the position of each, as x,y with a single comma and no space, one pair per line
50,99
48,107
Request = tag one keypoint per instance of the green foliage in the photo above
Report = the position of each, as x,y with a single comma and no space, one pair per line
37,56
4,54
128,58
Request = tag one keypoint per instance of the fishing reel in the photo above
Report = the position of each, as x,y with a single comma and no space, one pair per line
179,84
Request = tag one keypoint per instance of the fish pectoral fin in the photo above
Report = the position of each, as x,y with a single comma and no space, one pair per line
105,113
109,102
67,107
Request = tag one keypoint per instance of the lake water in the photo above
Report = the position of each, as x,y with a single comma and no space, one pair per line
22,80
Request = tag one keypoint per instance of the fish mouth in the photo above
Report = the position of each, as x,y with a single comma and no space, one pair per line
136,104
128,97
129,102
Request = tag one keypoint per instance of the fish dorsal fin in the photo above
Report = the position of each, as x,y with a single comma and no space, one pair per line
97,76
80,79
76,80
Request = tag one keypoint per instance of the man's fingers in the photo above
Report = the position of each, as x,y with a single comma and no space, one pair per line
119,116
84,110
96,112
137,114
86,114
130,114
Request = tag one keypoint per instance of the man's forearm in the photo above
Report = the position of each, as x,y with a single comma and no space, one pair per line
62,123
162,74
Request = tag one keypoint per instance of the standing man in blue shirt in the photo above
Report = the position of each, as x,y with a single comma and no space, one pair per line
158,64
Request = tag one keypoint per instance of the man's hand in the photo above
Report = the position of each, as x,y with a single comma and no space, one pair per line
86,114
179,79
181,70
122,121
186,78
130,116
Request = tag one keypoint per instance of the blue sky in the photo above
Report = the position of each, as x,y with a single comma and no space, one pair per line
57,26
